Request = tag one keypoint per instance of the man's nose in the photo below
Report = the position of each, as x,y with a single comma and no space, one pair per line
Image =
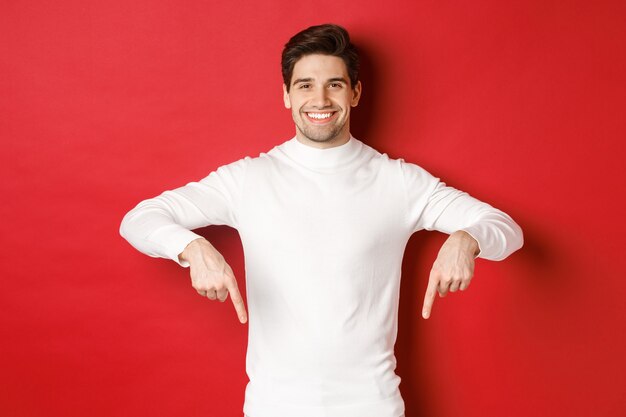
321,100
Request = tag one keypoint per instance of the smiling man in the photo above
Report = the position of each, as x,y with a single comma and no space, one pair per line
320,96
324,220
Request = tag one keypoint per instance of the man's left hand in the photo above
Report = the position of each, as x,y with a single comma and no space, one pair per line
453,269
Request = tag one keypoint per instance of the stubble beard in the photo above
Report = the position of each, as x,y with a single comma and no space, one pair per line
319,134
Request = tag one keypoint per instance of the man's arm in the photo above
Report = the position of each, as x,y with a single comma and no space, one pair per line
449,210
161,227
476,229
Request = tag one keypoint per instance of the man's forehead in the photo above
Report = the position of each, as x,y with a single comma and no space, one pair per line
320,66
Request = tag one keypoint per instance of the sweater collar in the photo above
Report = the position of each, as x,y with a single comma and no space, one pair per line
326,158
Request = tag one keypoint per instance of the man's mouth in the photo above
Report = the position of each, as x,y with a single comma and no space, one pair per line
320,117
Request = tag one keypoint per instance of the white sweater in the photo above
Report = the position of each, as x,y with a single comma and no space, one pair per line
323,232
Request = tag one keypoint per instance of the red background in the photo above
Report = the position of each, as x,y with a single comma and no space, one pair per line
103,104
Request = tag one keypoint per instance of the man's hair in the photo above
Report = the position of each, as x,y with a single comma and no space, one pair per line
327,39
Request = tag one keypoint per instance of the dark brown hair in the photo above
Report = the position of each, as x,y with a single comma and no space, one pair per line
327,39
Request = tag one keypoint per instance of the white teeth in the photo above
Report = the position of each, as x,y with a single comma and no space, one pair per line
319,116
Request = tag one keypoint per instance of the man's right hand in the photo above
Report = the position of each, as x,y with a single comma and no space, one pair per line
211,276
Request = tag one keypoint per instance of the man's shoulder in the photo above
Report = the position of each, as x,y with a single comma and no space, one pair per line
397,162
410,171
263,158
252,158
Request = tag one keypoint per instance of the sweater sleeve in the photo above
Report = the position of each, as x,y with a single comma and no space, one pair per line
161,226
434,206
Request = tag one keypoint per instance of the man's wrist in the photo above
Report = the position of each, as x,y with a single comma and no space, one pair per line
185,254
468,241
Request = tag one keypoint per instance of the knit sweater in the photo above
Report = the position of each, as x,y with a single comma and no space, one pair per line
323,233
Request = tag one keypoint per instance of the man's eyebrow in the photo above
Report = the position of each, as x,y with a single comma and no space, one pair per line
330,80
302,80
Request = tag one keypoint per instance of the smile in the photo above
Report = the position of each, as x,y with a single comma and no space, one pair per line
320,117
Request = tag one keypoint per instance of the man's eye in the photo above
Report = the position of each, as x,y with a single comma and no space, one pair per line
304,86
335,85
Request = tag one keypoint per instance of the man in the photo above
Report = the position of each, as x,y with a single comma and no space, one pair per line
324,220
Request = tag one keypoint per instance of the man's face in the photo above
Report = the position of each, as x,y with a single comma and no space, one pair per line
320,98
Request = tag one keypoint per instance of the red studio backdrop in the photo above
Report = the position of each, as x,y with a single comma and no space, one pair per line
104,104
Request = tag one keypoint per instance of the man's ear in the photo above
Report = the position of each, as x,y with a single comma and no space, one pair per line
356,94
286,97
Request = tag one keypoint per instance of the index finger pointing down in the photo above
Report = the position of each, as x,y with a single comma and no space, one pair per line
235,296
429,298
